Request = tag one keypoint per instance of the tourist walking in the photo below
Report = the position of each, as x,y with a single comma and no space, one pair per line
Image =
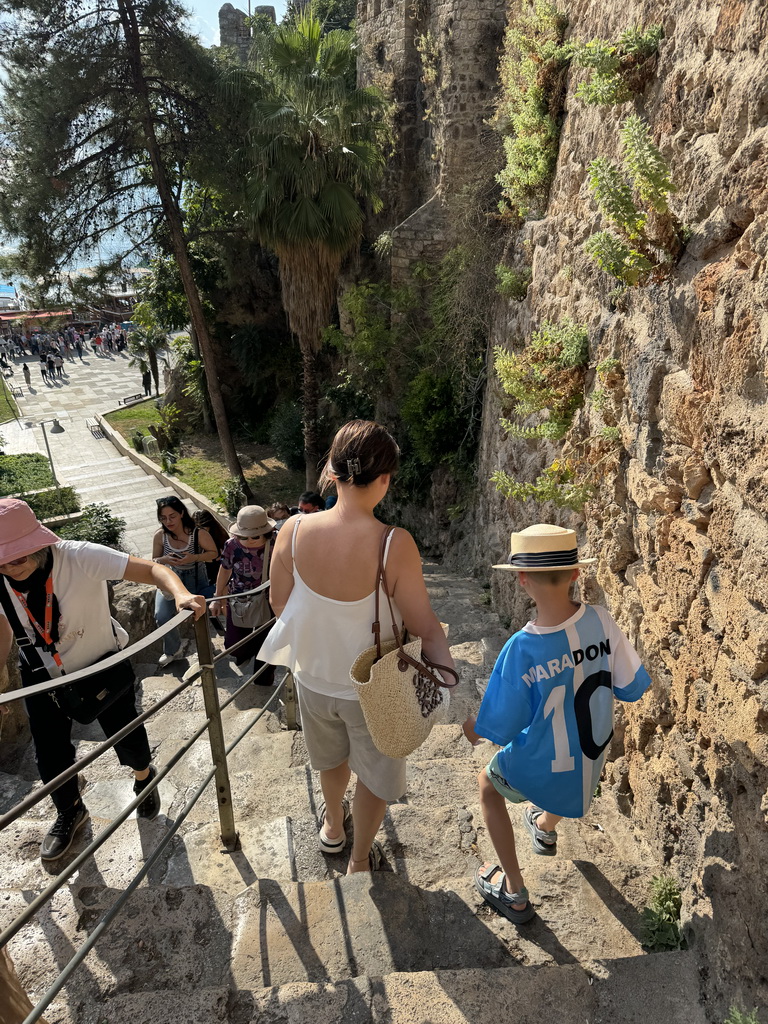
323,590
58,362
184,548
27,377
146,382
245,565
54,601
43,367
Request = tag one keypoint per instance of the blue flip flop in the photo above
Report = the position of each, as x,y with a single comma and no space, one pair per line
495,894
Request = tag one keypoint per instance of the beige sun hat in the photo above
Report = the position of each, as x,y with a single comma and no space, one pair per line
543,547
252,521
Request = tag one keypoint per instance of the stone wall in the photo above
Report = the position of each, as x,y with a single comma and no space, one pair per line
680,524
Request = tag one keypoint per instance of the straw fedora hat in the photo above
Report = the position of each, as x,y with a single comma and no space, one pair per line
252,521
543,547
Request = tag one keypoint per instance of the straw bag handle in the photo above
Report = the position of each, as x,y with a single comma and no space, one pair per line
422,667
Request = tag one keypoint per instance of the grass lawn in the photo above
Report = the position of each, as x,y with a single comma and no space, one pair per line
135,417
8,408
200,464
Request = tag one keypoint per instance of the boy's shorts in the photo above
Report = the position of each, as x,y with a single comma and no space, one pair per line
501,785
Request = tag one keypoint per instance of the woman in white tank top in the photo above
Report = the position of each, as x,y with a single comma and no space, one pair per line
324,572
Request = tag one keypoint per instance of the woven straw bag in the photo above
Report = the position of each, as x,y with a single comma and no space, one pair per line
402,694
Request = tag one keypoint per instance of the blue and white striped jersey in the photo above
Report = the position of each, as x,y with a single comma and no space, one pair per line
549,704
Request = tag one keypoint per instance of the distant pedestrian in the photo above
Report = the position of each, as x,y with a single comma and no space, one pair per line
27,377
97,344
79,348
50,364
43,370
58,362
146,382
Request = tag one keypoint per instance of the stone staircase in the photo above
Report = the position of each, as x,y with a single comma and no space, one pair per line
276,933
121,484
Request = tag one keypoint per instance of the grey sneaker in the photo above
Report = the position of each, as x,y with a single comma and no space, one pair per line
543,842
62,833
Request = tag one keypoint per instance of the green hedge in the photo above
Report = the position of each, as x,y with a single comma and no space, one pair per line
61,501
19,473
98,525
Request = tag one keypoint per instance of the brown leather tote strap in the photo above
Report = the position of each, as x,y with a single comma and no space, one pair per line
422,667
376,627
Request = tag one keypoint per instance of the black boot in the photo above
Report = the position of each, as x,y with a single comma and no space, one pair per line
150,806
62,834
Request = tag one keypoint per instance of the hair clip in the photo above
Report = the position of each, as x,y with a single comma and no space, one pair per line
353,467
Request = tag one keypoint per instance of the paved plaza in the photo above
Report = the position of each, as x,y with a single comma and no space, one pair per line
92,466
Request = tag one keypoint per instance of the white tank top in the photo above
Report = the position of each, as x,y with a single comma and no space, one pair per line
318,638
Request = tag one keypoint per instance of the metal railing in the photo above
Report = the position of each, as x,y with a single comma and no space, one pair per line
212,724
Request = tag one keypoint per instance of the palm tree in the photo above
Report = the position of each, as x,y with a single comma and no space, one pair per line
313,158
143,344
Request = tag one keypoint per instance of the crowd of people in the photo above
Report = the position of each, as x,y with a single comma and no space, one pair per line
548,705
51,351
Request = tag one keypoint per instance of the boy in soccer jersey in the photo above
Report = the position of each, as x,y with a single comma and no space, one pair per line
549,705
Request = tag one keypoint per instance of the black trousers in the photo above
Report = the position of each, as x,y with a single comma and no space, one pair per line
55,752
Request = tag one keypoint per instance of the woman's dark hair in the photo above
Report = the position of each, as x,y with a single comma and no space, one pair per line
361,451
205,521
178,506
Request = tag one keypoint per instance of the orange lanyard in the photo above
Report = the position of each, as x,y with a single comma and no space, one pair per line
45,632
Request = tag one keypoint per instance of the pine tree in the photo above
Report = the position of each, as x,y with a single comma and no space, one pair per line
103,109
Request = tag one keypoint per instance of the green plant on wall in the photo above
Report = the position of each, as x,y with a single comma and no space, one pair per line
634,198
736,1016
558,484
529,111
512,283
661,919
618,70
548,374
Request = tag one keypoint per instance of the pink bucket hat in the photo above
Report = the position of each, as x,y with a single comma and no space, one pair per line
21,533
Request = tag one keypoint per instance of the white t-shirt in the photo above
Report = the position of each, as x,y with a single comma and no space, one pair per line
80,571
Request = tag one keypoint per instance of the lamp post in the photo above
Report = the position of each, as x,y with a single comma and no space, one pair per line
55,429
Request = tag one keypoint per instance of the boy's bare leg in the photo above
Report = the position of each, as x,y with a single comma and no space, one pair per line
502,835
547,822
333,783
368,812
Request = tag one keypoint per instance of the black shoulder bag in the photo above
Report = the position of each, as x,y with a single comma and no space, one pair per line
83,701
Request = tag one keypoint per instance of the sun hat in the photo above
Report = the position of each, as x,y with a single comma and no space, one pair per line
21,533
543,547
252,521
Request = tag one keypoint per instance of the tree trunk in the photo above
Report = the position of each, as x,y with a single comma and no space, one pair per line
178,242
309,397
207,424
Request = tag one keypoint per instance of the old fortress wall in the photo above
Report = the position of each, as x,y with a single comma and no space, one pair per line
680,519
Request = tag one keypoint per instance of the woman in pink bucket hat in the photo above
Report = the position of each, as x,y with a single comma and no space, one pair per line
54,601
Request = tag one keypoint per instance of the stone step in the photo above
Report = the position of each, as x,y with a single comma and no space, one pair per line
106,469
662,987
137,488
279,932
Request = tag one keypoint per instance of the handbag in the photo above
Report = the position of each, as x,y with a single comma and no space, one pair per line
402,693
253,611
83,701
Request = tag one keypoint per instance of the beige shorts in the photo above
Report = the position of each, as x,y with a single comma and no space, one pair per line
335,731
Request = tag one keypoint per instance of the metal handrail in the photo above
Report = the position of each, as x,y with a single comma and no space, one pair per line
219,771
99,666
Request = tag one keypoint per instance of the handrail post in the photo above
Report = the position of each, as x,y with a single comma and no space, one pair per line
229,836
290,701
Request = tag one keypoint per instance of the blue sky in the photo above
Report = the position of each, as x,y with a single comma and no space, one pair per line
205,16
